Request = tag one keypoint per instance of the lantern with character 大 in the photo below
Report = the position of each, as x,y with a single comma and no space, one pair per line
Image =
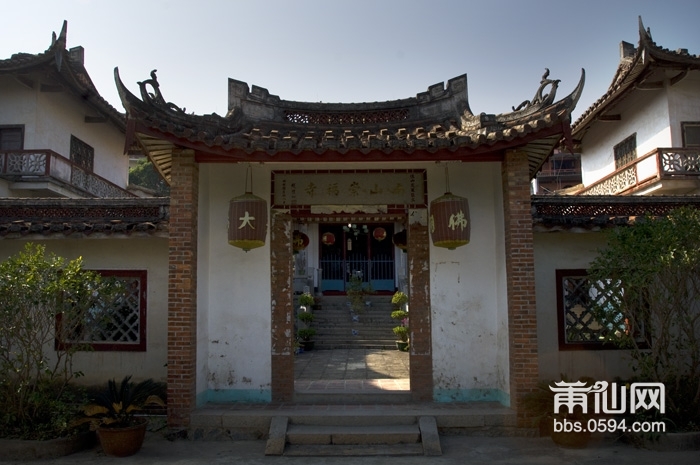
247,220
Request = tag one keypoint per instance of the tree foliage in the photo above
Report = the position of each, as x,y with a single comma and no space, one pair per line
41,298
648,277
144,174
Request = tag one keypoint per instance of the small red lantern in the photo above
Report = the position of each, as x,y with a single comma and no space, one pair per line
450,225
299,241
247,221
379,234
328,238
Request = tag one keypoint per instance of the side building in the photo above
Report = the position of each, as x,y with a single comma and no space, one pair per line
64,184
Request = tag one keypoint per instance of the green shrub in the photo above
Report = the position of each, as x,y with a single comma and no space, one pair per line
41,299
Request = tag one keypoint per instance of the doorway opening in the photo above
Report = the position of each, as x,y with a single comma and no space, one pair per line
362,251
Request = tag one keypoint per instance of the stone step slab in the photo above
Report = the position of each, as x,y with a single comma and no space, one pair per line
352,435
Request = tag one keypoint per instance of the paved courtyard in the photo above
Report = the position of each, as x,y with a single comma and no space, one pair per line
351,370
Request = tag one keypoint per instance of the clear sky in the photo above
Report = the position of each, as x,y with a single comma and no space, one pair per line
349,51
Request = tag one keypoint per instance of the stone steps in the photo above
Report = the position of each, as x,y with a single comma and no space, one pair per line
260,421
353,436
339,327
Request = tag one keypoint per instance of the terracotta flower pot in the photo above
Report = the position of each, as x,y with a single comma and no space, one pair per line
122,442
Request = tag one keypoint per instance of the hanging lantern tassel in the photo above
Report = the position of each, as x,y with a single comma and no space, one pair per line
450,225
247,221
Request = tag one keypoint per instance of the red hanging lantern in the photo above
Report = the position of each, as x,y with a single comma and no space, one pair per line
328,238
379,234
450,225
247,220
299,241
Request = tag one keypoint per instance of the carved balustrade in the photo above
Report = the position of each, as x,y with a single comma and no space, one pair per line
659,164
34,165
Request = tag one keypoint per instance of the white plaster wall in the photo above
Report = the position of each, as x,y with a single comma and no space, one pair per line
233,293
150,254
568,251
648,118
50,118
203,301
468,291
684,103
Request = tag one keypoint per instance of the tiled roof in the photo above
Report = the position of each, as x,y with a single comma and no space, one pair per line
97,218
592,213
81,218
435,125
634,72
62,69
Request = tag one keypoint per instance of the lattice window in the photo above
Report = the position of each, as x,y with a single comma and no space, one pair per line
625,151
121,327
691,134
82,154
581,323
11,138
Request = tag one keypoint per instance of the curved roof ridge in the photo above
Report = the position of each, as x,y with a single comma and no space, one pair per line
633,62
436,123
66,65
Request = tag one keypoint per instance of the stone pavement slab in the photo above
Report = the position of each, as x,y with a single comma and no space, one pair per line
457,450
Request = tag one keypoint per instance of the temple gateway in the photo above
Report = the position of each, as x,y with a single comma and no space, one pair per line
351,186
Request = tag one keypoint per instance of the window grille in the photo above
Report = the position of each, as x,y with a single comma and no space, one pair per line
586,316
11,137
82,154
121,327
691,134
625,151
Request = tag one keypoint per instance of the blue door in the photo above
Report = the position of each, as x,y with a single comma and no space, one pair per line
355,249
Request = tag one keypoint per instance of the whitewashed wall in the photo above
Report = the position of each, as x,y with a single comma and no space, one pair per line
648,119
234,338
684,104
568,251
468,290
150,254
50,118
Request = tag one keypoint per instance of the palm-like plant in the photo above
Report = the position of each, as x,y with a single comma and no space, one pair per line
117,406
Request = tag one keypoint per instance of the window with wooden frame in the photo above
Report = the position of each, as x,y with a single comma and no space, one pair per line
691,133
121,327
82,154
585,317
11,137
626,151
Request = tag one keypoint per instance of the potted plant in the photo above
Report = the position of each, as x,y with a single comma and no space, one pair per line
306,300
305,335
401,331
357,292
112,413
399,300
540,405
306,317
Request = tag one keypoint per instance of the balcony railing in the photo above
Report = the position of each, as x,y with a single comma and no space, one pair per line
657,165
49,166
